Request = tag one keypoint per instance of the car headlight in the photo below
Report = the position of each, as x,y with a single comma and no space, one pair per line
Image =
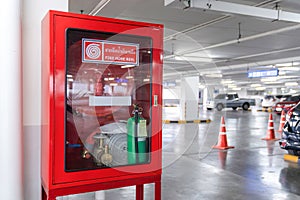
284,136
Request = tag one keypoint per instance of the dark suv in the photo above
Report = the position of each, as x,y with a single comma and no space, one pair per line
291,131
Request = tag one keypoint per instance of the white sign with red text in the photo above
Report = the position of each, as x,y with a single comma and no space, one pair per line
103,51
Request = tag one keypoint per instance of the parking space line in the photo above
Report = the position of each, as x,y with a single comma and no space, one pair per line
196,121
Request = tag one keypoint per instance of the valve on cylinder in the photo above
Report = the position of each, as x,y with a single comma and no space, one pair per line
106,158
98,150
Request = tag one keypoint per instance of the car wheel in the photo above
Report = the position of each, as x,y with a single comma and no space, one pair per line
219,107
234,108
294,152
245,106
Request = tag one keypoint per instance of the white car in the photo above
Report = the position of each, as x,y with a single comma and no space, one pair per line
269,101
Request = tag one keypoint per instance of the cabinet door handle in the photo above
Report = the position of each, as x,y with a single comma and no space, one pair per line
155,100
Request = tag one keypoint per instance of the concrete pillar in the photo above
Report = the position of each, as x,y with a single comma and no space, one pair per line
242,93
189,98
33,13
100,195
205,97
11,187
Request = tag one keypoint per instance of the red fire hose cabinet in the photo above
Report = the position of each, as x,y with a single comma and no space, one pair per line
101,104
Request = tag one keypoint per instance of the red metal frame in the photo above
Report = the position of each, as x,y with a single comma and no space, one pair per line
55,181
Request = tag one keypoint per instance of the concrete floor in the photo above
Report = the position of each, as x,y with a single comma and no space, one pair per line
254,169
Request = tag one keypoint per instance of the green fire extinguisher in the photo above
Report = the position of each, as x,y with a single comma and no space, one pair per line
136,137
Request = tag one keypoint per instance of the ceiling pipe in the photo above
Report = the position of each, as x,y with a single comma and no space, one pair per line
239,58
235,41
240,66
252,37
262,63
197,27
99,7
266,3
214,21
247,10
264,53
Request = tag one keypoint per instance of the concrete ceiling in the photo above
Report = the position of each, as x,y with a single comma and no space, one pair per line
205,42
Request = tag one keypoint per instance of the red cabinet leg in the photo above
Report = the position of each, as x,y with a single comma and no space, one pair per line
157,190
139,191
51,197
44,195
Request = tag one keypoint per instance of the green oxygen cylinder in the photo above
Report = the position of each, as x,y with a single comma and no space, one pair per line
136,138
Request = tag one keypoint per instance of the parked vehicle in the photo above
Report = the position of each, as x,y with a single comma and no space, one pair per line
287,104
284,97
291,131
230,100
269,101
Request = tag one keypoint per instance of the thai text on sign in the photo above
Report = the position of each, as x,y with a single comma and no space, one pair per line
101,51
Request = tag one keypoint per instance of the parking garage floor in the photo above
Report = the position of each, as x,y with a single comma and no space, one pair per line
254,169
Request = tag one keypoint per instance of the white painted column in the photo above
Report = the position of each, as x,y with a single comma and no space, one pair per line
189,98
33,13
11,187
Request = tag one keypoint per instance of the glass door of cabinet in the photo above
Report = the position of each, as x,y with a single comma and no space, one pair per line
108,100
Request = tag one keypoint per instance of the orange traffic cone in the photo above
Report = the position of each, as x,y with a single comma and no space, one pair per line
270,132
222,158
222,143
282,121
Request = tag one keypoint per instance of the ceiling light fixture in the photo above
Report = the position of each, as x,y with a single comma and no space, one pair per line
281,73
290,68
291,84
273,83
260,88
193,59
286,77
201,86
113,84
255,85
127,66
269,79
214,75
227,81
129,77
290,64
231,86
